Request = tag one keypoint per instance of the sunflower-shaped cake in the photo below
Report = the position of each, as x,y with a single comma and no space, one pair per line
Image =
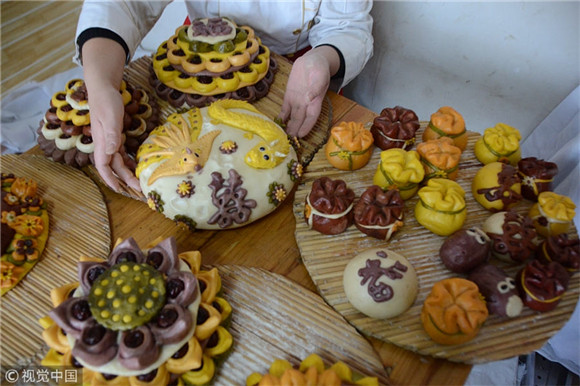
141,317
212,59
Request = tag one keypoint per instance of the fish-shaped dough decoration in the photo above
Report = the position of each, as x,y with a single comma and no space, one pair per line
273,148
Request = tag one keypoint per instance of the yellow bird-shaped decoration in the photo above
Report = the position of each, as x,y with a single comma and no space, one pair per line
184,154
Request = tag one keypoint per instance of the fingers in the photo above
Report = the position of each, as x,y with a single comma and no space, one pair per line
311,117
285,110
297,117
124,173
303,119
106,173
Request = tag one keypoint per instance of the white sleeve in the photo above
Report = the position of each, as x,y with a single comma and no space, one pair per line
346,25
131,20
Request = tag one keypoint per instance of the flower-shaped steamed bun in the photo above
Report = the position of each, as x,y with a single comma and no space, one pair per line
447,122
395,127
454,311
328,206
499,143
441,206
400,169
350,146
440,157
552,214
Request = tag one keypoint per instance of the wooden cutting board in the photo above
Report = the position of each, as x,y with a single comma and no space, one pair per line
137,73
325,258
79,224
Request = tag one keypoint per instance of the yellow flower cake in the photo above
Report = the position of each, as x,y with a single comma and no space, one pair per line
312,371
212,59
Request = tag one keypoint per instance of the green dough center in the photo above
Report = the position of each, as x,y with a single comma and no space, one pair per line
127,295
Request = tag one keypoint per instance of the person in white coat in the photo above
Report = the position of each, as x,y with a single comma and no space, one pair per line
109,32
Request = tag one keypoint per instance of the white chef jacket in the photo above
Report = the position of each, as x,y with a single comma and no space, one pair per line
284,26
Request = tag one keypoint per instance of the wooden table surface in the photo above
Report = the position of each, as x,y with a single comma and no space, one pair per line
269,243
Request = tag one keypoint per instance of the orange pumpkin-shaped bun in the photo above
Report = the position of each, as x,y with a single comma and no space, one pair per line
349,146
440,158
454,311
446,122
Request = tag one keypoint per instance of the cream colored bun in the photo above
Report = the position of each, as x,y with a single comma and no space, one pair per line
225,187
380,283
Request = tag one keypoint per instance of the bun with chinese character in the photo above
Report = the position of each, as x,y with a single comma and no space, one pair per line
380,283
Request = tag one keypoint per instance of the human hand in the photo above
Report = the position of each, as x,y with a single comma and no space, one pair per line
111,161
103,61
307,86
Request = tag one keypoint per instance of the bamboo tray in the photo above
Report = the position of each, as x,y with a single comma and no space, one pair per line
264,328
275,318
137,73
79,224
325,258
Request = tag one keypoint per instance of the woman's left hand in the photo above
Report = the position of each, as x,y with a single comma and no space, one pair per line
307,86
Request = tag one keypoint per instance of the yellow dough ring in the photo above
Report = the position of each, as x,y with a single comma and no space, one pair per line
211,61
191,85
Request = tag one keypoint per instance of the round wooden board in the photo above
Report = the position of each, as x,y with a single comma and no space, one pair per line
325,258
275,318
137,74
78,225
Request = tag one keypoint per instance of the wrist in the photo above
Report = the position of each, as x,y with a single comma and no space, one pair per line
331,55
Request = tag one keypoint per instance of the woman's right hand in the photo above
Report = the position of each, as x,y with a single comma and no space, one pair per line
103,64
111,161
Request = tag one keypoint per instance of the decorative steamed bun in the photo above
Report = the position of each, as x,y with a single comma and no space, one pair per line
350,146
498,289
395,127
65,133
513,237
380,283
500,143
328,207
143,316
399,169
441,206
379,213
497,187
223,166
212,59
562,249
447,122
552,214
24,229
440,157
465,250
454,311
536,176
311,371
541,286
